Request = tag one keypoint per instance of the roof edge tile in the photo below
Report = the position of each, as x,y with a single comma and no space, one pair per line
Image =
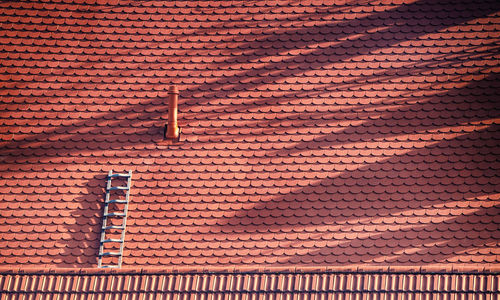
454,269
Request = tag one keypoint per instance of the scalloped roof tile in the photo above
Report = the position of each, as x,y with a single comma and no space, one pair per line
314,132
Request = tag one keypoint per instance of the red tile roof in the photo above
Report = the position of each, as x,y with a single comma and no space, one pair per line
314,133
309,283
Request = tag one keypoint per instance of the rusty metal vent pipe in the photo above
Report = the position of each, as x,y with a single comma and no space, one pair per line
172,131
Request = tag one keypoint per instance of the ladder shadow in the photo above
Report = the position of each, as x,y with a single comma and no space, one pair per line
80,243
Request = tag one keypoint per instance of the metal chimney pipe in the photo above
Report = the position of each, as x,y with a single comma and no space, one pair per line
172,126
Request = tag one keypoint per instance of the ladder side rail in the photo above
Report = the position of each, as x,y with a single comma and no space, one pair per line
125,210
104,220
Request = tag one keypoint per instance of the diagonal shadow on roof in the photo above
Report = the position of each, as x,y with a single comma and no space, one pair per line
111,128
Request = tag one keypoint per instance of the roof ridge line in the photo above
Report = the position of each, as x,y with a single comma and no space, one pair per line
356,269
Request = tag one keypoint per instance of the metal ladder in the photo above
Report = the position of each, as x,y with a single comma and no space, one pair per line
114,221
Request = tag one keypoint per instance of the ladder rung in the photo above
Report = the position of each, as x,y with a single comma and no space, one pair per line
109,253
118,188
112,241
117,201
119,175
115,215
113,227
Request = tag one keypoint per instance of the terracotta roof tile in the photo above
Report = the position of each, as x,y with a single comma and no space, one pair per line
313,132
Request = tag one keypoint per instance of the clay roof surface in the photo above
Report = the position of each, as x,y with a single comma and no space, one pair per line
316,283
314,133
